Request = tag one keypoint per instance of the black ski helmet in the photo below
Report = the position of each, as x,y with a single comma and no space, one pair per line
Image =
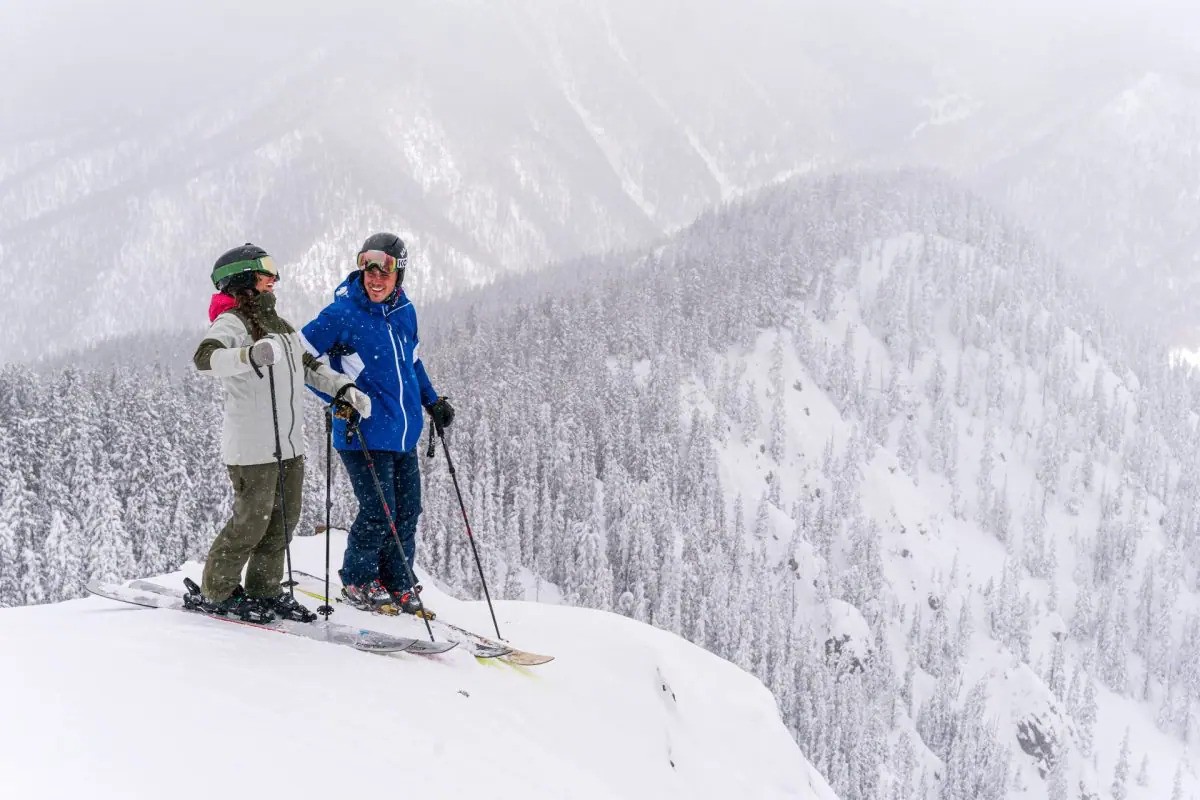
236,268
389,243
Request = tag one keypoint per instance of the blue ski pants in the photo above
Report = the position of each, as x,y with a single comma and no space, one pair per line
371,550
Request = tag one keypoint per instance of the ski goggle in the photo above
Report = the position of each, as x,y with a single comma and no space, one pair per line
264,264
377,260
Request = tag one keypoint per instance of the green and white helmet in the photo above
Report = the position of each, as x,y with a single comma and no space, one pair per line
244,261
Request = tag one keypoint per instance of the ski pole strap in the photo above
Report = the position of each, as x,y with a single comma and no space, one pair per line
431,451
250,358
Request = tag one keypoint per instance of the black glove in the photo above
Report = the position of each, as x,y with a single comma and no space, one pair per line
351,400
441,412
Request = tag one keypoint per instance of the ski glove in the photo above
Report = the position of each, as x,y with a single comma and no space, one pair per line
351,395
262,353
441,412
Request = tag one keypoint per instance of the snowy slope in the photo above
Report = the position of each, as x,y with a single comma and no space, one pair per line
116,701
1002,597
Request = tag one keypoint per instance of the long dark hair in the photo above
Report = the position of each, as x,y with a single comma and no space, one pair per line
241,288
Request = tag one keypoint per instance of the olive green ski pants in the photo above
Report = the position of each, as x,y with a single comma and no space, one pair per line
253,538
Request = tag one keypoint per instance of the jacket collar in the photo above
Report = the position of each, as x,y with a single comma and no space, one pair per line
262,303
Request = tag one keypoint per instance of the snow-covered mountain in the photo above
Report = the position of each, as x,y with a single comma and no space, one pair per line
547,134
1115,189
963,461
860,435
122,702
498,137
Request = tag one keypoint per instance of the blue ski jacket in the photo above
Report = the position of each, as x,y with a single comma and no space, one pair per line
375,345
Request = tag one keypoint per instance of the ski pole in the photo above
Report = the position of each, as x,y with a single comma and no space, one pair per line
287,546
355,432
327,609
470,536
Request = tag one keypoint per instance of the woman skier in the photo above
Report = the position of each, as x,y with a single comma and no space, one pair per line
263,369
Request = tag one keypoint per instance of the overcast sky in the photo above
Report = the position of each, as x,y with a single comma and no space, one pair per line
65,62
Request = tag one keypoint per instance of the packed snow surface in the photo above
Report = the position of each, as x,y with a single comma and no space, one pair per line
110,700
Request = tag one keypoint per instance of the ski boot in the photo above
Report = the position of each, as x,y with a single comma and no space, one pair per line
408,601
371,596
284,606
238,604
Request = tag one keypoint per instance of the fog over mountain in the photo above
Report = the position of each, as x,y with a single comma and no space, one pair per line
498,137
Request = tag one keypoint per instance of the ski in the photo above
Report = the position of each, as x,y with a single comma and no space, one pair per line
481,646
153,596
478,649
416,646
520,658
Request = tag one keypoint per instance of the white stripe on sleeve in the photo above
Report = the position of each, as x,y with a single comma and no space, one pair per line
352,366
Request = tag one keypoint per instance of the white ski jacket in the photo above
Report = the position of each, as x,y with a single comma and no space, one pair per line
248,432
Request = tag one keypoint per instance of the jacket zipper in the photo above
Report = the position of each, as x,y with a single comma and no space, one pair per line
291,360
400,380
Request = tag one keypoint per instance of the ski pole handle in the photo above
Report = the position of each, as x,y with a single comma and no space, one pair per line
351,427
